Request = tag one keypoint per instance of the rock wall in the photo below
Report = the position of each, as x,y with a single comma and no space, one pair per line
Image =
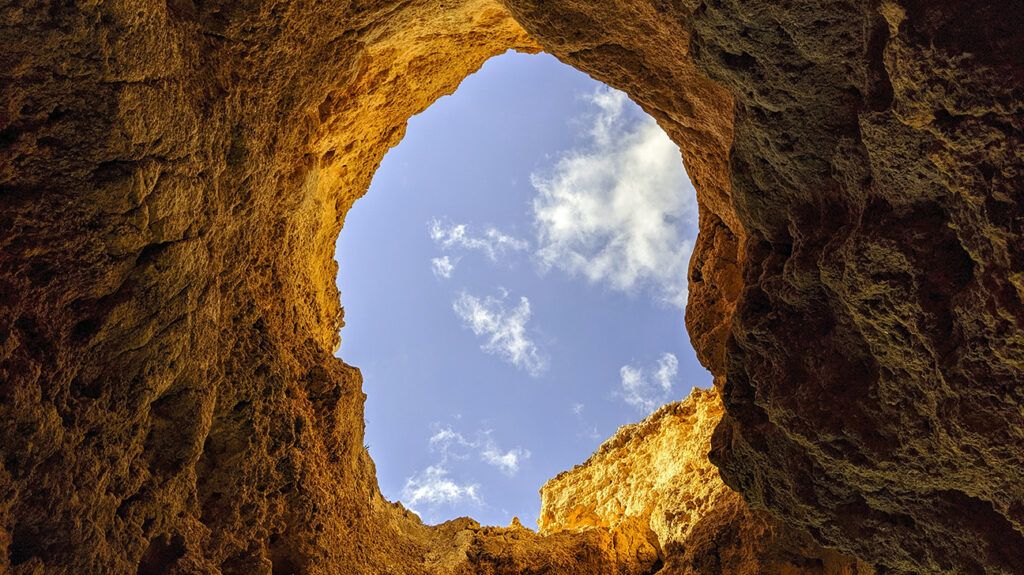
173,174
874,374
856,285
656,474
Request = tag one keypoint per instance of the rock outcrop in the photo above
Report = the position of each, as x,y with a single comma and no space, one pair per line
855,287
655,476
873,382
173,175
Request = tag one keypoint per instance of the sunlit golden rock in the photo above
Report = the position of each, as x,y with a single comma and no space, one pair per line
656,474
174,175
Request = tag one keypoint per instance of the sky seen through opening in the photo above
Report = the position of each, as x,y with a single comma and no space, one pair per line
514,284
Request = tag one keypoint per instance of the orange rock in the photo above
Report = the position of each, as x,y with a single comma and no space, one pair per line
655,475
174,174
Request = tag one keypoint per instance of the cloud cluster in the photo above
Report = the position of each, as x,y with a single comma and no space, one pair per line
647,393
504,330
446,438
619,210
453,444
434,487
443,267
493,243
506,461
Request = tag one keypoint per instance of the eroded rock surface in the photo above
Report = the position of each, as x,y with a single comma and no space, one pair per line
173,175
873,382
656,475
856,285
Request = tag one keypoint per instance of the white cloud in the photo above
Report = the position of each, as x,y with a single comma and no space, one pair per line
647,394
492,243
504,330
632,385
433,487
620,210
451,444
506,461
445,436
585,428
443,267
668,367
454,445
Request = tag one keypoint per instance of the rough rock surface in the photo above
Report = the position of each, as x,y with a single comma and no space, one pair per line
173,178
656,474
874,383
856,288
173,174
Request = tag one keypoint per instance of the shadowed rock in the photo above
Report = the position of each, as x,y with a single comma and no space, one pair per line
173,176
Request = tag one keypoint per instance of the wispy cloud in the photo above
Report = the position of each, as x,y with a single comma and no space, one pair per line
434,487
454,445
586,429
506,461
668,367
504,330
451,443
619,210
647,393
445,436
493,243
443,267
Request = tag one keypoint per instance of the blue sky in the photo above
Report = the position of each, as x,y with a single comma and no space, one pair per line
513,286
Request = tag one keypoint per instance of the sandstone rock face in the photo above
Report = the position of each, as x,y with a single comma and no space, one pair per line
656,475
173,175
856,285
515,550
873,383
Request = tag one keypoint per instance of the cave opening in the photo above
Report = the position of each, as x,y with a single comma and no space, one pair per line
173,180
514,286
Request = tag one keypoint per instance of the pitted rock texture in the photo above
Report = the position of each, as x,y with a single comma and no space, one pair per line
856,286
173,175
627,549
656,474
874,381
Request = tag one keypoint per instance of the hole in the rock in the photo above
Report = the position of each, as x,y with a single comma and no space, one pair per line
513,285
163,552
24,545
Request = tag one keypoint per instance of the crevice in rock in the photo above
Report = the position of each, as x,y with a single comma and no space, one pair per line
161,555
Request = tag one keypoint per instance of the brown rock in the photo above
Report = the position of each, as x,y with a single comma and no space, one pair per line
656,475
173,175
874,366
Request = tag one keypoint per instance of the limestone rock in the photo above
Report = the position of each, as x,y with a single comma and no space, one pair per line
856,285
656,474
174,174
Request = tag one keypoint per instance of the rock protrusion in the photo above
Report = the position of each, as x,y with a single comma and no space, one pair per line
656,475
